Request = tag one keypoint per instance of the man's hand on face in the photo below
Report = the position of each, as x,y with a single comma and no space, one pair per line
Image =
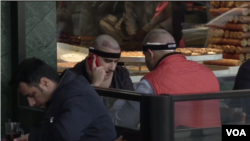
23,138
98,73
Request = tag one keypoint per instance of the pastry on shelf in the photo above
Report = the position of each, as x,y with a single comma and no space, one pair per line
184,51
132,54
199,51
224,62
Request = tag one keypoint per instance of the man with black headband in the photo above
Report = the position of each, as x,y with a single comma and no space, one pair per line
108,75
172,73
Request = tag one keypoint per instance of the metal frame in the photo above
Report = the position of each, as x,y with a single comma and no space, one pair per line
122,94
155,113
226,79
18,45
156,118
208,96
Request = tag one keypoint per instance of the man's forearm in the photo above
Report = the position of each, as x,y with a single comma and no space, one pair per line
126,114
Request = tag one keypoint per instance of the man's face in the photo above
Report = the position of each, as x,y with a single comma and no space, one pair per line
37,96
149,60
109,64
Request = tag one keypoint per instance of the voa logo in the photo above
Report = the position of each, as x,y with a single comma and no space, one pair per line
236,132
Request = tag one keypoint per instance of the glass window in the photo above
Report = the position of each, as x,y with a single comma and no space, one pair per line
124,113
202,119
79,23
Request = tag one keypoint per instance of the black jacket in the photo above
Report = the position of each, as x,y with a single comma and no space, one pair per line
242,81
75,113
120,80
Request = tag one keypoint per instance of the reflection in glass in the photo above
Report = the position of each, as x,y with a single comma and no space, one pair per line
228,116
78,23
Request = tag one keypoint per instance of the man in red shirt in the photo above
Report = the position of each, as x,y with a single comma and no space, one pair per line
171,73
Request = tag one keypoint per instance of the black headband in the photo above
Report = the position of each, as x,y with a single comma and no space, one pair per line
104,54
171,46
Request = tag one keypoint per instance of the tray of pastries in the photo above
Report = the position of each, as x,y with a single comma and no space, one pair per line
195,54
132,54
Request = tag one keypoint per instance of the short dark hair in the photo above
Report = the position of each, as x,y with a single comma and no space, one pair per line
31,70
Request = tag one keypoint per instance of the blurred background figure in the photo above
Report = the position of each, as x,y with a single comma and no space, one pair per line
64,20
169,16
109,16
137,17
76,19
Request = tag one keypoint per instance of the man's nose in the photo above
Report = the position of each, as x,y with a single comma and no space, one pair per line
32,102
112,66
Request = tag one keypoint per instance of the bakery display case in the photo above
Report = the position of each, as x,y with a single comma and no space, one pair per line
221,44
137,58
229,31
195,30
194,54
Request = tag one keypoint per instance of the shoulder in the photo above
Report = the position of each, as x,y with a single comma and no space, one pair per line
244,69
153,73
144,83
205,72
144,87
79,85
246,65
79,91
121,70
77,69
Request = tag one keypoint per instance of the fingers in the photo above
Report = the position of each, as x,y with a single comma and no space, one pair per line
99,68
93,63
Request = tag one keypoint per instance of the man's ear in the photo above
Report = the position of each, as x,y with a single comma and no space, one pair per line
44,81
151,54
